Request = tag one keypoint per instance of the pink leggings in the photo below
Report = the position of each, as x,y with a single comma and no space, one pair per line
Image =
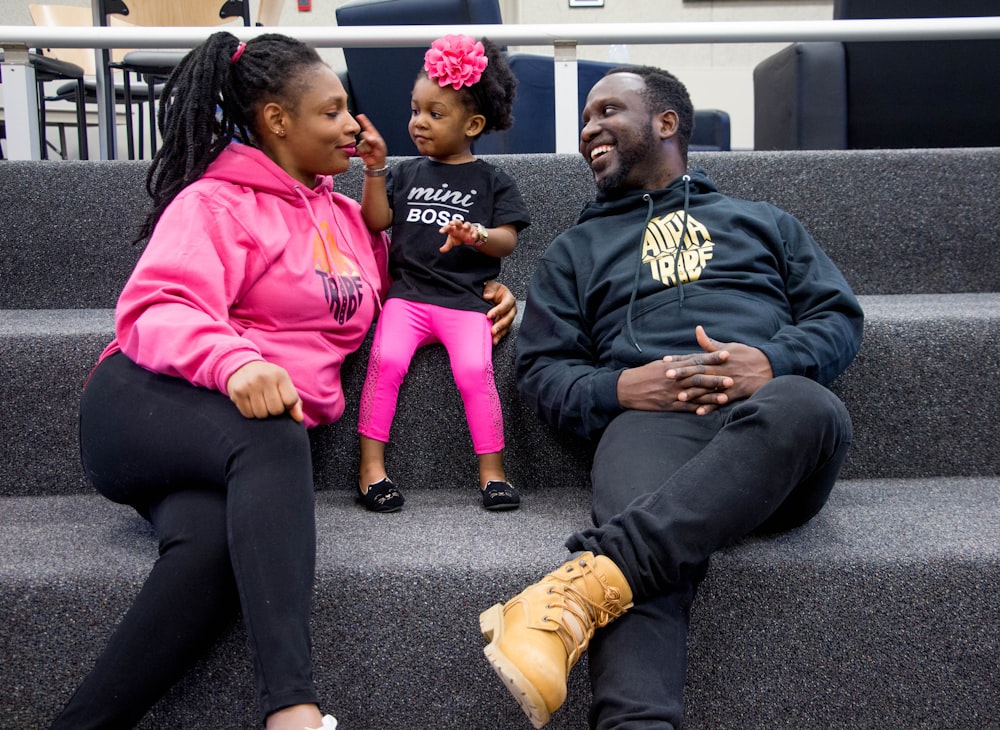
405,326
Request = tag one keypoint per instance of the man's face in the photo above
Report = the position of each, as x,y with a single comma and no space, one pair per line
618,139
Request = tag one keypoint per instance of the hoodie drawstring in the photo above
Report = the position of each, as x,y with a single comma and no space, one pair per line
638,270
678,259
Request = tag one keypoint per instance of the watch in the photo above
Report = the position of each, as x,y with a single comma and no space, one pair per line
482,235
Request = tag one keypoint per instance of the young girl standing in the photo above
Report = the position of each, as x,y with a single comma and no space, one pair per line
453,217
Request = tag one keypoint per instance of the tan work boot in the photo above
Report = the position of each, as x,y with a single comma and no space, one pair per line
539,635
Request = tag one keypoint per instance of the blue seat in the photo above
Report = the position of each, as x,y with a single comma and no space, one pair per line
380,79
534,127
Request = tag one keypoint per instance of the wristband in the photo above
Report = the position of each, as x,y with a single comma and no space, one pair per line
377,171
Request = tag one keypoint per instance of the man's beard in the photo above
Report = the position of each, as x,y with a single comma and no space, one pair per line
630,151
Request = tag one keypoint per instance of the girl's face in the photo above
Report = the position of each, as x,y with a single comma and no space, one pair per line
317,136
441,126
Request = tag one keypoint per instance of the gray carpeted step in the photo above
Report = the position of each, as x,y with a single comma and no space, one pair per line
895,221
920,392
880,613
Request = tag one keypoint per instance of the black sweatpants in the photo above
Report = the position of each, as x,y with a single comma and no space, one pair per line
232,503
672,488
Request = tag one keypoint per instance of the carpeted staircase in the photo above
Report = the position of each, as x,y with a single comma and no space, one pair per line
883,612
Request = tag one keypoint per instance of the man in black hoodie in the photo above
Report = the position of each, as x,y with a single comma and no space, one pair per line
692,336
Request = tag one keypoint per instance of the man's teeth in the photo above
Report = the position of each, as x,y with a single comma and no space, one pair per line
598,151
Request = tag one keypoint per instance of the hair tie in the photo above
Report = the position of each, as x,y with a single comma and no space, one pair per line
238,52
455,60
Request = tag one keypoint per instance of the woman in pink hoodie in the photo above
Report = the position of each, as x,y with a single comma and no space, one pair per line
256,282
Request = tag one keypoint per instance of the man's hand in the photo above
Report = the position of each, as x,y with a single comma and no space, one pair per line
650,388
696,383
502,315
744,368
261,389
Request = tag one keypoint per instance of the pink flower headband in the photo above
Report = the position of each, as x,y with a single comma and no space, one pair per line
455,60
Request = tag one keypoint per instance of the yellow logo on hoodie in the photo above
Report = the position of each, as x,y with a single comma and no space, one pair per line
672,260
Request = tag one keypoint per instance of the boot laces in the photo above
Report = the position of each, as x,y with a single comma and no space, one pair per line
580,615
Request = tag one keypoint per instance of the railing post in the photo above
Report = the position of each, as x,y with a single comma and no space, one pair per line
20,104
567,129
107,134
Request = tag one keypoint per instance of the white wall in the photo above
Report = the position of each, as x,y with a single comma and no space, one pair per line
717,75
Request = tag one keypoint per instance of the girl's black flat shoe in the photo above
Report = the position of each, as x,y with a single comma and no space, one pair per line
500,495
382,496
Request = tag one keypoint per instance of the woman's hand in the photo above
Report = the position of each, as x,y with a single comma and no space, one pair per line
502,315
261,389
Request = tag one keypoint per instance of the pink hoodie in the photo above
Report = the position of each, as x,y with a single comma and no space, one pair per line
248,264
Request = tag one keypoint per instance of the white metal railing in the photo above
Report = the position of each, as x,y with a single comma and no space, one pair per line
19,86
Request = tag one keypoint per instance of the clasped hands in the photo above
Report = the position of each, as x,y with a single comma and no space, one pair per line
698,382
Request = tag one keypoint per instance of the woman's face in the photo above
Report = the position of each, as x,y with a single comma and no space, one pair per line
318,135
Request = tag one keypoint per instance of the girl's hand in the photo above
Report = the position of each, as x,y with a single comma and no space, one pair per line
371,147
261,389
460,233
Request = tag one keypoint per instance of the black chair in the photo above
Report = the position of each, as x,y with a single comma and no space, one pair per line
55,15
385,96
380,80
154,66
52,69
882,94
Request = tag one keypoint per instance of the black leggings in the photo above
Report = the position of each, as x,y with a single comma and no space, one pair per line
232,503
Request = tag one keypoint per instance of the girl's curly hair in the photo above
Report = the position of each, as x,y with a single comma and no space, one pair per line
493,95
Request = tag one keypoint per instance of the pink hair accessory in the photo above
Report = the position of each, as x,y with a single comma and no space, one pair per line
238,52
456,61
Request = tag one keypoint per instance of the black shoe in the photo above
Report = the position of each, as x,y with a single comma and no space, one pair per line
500,495
382,496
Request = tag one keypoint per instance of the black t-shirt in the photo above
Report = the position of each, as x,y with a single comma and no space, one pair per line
426,195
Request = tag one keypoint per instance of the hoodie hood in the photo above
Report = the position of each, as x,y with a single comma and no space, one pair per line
672,195
247,166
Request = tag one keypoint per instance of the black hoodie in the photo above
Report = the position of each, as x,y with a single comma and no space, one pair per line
605,297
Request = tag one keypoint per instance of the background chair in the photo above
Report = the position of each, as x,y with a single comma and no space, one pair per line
380,80
882,94
78,91
154,66
385,96
49,69
534,110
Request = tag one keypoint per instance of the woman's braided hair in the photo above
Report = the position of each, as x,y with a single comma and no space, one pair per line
210,100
